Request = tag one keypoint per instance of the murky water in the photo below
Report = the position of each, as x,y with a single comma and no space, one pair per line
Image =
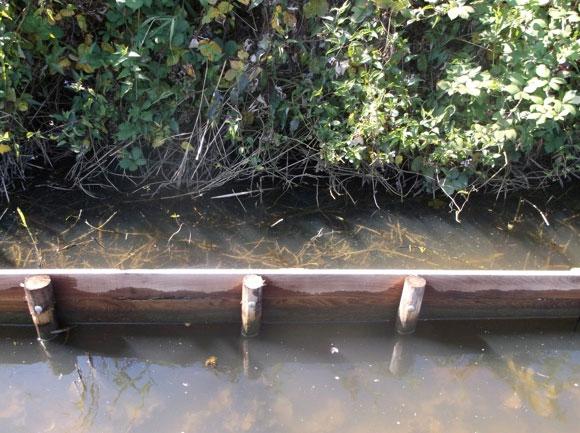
290,230
522,377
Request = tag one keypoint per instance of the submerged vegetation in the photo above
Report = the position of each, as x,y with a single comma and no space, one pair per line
431,96
291,230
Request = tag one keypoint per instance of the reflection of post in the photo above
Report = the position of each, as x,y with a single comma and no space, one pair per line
250,367
40,299
410,305
400,359
60,359
246,357
251,305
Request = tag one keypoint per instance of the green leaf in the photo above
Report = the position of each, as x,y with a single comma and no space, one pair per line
422,63
460,11
394,5
124,163
230,48
512,89
210,50
136,153
225,7
132,4
571,97
315,8
82,22
126,131
417,164
22,105
542,71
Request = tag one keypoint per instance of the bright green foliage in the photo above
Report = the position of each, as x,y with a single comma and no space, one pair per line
452,90
463,93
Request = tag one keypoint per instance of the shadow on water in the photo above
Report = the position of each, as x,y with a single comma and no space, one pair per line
448,377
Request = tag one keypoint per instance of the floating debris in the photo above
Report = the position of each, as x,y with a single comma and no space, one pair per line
211,362
277,222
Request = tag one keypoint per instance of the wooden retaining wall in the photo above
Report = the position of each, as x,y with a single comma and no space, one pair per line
291,295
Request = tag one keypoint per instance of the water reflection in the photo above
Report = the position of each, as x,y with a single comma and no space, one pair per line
446,378
292,230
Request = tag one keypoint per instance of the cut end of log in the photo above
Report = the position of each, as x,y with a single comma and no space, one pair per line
415,281
37,282
253,282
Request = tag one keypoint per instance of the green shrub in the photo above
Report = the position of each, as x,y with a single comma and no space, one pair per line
416,96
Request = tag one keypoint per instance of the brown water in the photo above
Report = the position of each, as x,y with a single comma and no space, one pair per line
290,230
520,377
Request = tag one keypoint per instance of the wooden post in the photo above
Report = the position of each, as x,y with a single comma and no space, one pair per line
410,305
40,299
251,305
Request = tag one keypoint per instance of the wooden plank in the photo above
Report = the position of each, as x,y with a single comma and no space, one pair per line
291,295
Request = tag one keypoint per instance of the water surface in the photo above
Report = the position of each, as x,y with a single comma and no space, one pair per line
520,377
291,229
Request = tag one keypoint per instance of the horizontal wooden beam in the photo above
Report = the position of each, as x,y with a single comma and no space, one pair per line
291,295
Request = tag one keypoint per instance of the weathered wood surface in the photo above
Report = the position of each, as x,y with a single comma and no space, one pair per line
39,296
410,304
251,314
291,295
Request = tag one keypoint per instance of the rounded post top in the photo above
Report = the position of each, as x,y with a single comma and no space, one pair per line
415,281
37,282
253,282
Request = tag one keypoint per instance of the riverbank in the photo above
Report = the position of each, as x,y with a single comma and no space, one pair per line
413,98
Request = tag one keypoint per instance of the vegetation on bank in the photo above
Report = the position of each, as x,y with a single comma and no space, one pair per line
415,96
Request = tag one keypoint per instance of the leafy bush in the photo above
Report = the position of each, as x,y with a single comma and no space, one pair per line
415,96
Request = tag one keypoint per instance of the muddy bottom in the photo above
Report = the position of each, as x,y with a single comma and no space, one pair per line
481,377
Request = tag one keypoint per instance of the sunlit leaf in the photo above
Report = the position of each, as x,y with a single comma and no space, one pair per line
22,217
460,11
542,71
82,22
210,50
